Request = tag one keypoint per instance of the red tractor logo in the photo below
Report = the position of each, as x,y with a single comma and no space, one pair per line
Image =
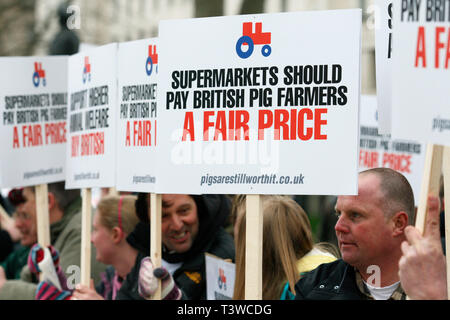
86,70
151,60
222,279
251,39
38,74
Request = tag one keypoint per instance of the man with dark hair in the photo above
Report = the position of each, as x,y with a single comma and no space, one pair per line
9,234
370,230
65,235
16,258
191,226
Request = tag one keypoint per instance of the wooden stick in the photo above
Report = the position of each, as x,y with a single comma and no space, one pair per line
113,191
446,170
253,248
42,215
86,222
430,182
155,236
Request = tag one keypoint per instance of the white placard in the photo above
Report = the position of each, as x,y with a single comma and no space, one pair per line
404,156
278,116
383,56
33,104
421,73
220,276
90,151
136,115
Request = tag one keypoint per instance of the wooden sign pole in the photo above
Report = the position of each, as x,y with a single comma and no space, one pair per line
155,236
113,192
446,170
437,161
86,221
253,248
42,215
430,182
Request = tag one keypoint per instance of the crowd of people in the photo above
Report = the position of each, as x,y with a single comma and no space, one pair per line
380,254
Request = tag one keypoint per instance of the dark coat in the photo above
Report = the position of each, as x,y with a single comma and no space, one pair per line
6,245
329,281
213,211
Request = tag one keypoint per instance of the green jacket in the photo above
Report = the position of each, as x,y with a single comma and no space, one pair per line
65,236
14,262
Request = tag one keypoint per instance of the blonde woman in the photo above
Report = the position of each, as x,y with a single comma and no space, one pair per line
288,248
114,219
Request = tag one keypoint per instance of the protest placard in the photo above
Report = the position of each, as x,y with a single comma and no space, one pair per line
262,108
136,115
33,131
92,85
91,147
420,94
383,62
220,275
136,129
376,150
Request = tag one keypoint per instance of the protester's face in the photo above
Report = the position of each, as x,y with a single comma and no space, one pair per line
102,239
25,218
179,222
362,230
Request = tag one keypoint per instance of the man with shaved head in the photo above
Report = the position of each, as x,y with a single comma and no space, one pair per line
370,231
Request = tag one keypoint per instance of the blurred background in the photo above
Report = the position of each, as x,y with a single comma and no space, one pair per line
47,27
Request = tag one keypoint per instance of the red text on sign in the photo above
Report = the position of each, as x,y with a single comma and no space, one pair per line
227,127
398,162
441,47
368,159
141,131
55,133
75,146
88,144
304,124
32,135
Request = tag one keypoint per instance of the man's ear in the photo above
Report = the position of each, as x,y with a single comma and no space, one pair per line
51,201
400,222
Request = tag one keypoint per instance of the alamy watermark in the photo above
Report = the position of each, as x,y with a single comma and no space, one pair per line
74,20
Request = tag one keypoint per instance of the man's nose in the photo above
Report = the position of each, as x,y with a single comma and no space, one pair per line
341,225
18,222
176,223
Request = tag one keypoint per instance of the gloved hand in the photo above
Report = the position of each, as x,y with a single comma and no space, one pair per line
148,282
36,255
47,291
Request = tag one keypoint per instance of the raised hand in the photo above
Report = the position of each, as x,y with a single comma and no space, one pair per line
422,268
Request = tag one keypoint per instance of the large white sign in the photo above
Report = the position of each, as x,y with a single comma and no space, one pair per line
90,151
136,115
260,104
421,73
383,55
33,106
376,150
220,276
